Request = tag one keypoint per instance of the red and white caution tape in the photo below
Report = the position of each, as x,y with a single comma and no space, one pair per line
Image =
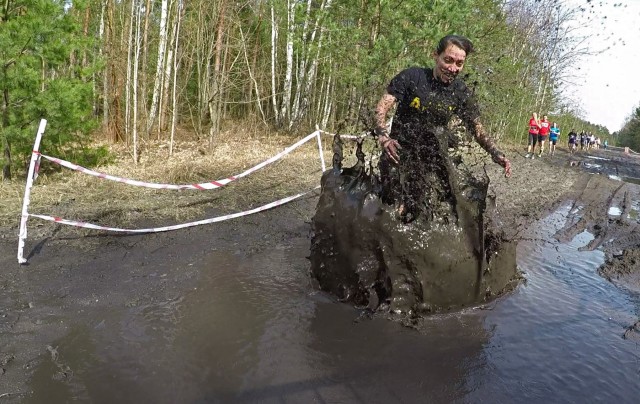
174,227
351,137
202,186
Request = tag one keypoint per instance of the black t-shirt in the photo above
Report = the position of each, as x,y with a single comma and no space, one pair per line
426,104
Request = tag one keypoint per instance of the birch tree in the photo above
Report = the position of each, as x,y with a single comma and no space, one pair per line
174,92
158,83
132,83
285,106
215,97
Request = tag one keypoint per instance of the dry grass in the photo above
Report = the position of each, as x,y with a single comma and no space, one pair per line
77,196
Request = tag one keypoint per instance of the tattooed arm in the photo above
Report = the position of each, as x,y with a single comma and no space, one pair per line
487,144
390,146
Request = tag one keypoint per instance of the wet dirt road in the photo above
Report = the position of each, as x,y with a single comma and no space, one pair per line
156,319
228,313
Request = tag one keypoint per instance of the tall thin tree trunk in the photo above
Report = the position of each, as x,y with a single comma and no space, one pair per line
138,45
112,82
257,90
274,61
85,33
145,56
216,87
158,85
164,100
328,102
303,102
288,79
105,74
6,167
128,87
174,92
301,66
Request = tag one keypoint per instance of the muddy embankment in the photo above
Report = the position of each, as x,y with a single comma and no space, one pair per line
364,253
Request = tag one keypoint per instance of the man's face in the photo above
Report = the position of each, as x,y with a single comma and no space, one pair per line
449,63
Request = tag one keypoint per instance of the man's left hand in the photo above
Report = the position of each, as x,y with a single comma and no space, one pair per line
504,162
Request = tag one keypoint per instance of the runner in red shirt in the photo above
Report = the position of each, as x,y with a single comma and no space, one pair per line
534,130
545,128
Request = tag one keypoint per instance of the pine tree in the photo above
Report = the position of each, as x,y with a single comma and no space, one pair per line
43,74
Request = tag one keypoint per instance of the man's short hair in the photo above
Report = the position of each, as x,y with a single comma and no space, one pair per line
457,40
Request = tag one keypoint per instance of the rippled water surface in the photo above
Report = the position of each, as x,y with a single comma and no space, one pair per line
255,330
559,338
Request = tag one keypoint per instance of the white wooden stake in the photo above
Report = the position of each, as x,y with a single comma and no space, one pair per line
22,235
320,149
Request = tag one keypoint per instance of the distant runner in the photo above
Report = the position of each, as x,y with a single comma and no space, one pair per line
534,130
554,134
573,141
545,128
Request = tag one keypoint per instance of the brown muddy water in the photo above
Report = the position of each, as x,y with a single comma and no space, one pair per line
252,328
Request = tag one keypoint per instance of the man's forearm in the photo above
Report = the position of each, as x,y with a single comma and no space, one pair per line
485,141
382,109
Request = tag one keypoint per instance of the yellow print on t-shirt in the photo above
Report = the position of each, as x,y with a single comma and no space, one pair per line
416,104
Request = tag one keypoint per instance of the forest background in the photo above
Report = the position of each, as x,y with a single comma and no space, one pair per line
140,73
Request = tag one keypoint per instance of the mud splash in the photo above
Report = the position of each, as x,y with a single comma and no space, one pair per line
362,252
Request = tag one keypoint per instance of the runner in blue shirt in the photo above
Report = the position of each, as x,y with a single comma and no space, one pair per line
554,134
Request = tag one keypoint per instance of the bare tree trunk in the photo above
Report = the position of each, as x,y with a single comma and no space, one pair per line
128,87
138,45
158,85
257,90
216,87
326,113
303,98
111,85
6,166
174,93
101,45
274,62
305,44
288,79
202,53
145,56
164,100
85,33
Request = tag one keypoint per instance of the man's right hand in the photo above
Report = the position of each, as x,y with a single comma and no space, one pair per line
390,146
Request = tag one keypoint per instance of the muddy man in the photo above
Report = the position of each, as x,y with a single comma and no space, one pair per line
416,167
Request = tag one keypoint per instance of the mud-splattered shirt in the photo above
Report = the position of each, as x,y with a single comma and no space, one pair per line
425,104
430,179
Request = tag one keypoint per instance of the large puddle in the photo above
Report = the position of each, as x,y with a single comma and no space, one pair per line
255,330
